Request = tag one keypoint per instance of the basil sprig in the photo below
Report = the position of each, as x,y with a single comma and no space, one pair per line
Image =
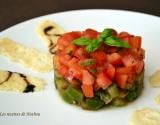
95,44
105,37
82,41
105,33
115,41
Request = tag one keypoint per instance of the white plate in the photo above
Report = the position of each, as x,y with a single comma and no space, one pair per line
48,103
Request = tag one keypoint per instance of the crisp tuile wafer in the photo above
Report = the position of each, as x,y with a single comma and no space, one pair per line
18,82
28,57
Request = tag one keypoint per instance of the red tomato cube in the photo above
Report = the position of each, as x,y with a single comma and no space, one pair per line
129,60
87,78
114,59
88,90
135,42
121,80
110,71
80,53
99,56
103,81
90,33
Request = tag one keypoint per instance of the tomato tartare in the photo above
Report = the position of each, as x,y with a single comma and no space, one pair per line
97,69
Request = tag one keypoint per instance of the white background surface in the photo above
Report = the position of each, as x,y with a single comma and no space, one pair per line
53,111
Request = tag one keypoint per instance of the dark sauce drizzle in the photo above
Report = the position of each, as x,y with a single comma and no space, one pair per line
7,78
29,87
52,46
48,29
52,49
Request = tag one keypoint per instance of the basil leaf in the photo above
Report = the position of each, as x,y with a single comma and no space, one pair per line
88,62
81,41
114,41
94,71
95,44
105,33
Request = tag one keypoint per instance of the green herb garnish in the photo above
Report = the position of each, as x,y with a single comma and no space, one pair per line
88,62
105,37
114,41
82,41
94,71
95,44
105,33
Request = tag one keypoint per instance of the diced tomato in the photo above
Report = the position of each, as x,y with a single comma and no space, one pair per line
103,81
121,80
110,50
131,78
112,64
80,53
69,76
87,90
72,61
90,33
124,70
56,62
110,71
124,35
70,50
114,32
64,59
139,67
99,56
67,38
126,39
133,52
141,54
96,87
129,60
76,71
100,69
114,58
135,42
63,69
87,78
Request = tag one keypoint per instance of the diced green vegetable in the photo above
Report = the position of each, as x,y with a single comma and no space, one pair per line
105,33
87,62
74,94
95,44
56,74
66,97
113,91
105,97
93,104
132,95
82,41
136,89
118,102
115,41
122,94
61,83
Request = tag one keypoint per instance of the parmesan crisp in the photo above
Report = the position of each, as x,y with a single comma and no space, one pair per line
18,82
28,57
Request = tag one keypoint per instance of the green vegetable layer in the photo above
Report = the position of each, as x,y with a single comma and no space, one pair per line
113,95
